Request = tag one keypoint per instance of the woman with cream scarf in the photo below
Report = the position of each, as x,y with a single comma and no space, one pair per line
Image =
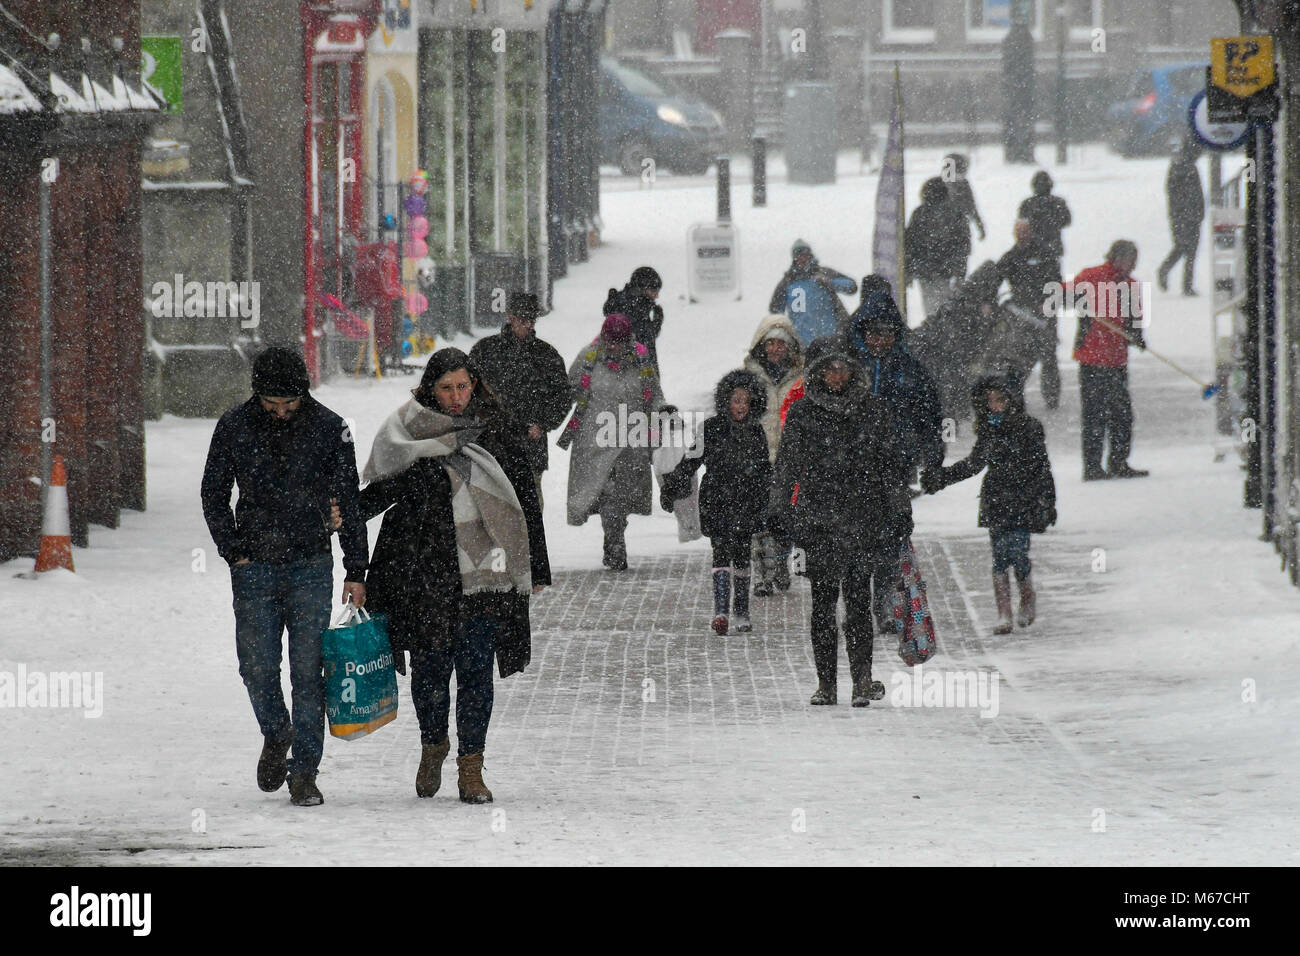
461,549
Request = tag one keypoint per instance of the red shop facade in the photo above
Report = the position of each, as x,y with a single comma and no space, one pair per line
334,57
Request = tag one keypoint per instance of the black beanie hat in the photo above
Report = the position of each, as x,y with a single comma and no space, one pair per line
646,278
280,373
523,306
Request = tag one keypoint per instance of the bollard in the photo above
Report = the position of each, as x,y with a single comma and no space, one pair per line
724,189
760,171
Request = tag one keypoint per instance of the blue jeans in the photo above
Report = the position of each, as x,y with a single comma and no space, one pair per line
469,653
268,599
1011,550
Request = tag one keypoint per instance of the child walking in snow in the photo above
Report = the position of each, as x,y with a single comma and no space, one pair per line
1018,496
733,494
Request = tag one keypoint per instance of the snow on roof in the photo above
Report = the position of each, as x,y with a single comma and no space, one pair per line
70,101
110,102
15,97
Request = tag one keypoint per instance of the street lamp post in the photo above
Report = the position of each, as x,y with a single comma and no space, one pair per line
1061,115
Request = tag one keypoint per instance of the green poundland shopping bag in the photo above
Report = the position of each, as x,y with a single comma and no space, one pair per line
360,684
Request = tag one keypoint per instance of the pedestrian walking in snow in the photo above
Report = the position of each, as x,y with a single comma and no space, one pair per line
1046,214
611,432
528,377
950,342
877,340
290,457
936,245
1186,200
734,491
839,452
1018,494
1109,304
960,194
460,551
775,357
809,293
1032,272
636,300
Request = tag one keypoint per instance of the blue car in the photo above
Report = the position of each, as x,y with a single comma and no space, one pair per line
1152,116
643,118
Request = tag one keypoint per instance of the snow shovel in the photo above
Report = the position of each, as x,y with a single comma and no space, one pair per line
1208,391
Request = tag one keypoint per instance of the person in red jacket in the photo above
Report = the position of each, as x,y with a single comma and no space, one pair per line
1108,292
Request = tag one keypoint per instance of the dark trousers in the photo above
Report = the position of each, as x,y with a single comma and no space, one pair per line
855,584
1185,247
1049,380
1106,410
469,653
731,551
1011,550
270,599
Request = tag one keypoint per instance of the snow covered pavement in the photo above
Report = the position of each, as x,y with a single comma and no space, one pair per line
1148,717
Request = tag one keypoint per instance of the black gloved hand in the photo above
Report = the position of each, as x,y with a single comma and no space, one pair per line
666,501
931,480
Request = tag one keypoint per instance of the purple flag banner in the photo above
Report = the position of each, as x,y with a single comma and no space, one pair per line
887,238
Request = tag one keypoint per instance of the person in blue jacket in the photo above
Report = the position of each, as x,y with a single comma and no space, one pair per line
876,337
810,294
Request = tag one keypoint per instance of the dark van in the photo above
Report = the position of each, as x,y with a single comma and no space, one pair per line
644,118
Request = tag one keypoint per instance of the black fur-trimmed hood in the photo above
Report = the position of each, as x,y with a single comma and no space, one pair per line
740,378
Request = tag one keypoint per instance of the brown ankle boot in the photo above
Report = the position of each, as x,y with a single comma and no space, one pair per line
472,787
429,777
1002,591
1027,602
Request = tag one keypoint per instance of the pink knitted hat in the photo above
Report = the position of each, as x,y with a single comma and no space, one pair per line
617,328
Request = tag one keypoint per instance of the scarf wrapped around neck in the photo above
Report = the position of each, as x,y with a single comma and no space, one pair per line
491,533
582,395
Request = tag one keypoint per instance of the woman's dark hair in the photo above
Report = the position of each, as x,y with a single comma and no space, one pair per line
450,360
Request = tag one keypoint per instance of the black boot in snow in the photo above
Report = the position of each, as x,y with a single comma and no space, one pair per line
272,765
303,791
824,694
615,557
740,609
721,599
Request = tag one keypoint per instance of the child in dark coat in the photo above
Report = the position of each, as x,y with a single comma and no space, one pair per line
1018,496
734,491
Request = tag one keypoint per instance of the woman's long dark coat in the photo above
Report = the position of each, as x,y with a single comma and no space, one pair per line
414,577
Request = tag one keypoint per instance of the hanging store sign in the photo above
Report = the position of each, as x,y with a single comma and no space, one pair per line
1241,83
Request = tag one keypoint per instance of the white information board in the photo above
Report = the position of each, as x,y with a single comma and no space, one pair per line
713,261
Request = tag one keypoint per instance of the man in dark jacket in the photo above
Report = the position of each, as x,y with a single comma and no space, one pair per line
290,457
876,341
636,300
529,377
955,166
1046,214
1031,270
1186,212
908,391
936,245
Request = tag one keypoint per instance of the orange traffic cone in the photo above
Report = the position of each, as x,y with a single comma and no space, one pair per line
56,531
